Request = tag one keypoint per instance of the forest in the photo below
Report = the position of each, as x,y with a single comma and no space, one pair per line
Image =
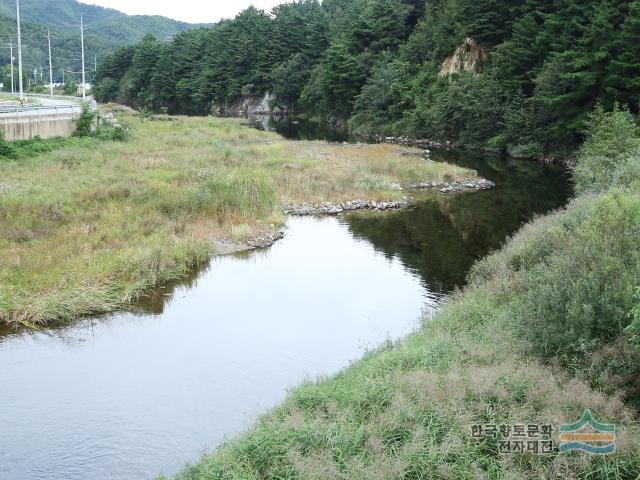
528,76
105,30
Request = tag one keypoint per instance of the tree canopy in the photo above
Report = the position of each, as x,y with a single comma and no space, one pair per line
546,64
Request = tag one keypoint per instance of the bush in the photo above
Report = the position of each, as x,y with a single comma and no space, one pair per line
570,277
613,138
84,123
20,149
7,149
111,133
70,88
529,151
497,144
634,315
583,290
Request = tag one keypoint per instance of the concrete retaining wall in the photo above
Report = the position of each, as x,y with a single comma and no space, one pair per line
45,126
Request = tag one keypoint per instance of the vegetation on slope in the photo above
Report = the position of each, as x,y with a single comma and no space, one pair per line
86,230
543,332
106,29
378,64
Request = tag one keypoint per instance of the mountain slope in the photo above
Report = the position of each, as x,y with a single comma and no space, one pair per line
105,30
115,26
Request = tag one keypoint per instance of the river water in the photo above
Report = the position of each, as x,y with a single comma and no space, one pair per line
137,394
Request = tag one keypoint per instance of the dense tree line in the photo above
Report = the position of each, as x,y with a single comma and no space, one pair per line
377,64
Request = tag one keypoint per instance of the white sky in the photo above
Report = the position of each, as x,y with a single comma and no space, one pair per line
194,11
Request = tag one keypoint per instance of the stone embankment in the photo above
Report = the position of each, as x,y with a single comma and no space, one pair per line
407,141
328,208
454,187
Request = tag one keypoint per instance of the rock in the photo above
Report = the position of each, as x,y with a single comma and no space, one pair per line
328,208
454,187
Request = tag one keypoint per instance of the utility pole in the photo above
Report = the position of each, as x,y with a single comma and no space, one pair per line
50,64
13,87
95,63
84,84
63,82
20,80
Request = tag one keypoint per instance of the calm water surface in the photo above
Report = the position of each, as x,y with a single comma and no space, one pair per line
137,394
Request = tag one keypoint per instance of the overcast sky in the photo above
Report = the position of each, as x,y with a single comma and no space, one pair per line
194,11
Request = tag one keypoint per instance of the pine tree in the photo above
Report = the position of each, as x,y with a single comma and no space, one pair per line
622,82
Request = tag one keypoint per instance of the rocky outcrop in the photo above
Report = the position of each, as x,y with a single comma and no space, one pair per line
249,105
468,57
263,106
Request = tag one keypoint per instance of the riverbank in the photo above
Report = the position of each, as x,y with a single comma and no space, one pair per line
86,229
544,331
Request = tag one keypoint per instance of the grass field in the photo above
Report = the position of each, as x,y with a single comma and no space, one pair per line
87,226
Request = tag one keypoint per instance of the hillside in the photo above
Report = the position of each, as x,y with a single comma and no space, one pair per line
105,30
519,76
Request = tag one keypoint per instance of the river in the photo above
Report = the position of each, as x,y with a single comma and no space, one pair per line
138,393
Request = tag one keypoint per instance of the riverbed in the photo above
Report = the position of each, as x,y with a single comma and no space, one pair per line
139,393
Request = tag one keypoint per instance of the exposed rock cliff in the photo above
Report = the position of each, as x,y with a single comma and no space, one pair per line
249,105
468,57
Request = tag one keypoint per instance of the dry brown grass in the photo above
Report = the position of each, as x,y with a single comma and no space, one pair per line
90,227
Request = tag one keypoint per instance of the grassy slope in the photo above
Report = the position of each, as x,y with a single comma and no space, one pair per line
541,333
406,411
89,227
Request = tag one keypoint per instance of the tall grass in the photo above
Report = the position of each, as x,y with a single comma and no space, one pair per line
88,226
237,195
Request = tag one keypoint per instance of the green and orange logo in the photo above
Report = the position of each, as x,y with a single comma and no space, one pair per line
588,435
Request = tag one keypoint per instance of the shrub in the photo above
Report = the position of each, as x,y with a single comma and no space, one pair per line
84,123
70,88
115,133
583,291
497,144
529,151
634,315
570,277
612,137
7,149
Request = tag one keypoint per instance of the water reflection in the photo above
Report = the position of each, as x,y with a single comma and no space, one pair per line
135,394
295,128
443,235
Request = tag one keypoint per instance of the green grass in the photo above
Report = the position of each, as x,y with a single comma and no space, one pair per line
87,226
546,329
23,149
406,410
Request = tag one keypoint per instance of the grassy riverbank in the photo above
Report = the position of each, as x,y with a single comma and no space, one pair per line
543,332
89,226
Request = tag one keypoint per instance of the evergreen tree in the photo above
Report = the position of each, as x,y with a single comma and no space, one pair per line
622,80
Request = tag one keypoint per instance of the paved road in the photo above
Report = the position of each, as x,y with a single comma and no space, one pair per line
45,106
